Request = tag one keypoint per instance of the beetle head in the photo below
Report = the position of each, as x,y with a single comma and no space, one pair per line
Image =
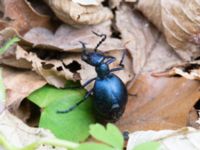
92,58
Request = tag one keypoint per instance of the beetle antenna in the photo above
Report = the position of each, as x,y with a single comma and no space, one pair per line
100,42
83,46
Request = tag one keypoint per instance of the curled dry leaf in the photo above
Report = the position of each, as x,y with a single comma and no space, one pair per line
75,12
20,135
19,84
66,38
138,36
189,70
178,20
22,16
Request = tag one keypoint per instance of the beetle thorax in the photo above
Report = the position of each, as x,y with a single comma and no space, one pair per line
102,70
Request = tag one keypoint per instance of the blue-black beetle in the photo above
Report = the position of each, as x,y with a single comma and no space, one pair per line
110,93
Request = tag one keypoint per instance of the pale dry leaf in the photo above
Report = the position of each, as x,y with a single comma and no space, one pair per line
9,57
162,57
114,3
57,71
19,84
75,14
88,2
178,20
2,93
138,36
189,70
22,16
134,1
48,69
20,135
66,38
185,138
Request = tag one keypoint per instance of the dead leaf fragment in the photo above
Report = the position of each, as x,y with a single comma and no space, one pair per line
189,70
19,84
178,20
56,73
21,135
185,138
160,103
138,36
80,12
9,55
88,2
22,17
162,57
66,38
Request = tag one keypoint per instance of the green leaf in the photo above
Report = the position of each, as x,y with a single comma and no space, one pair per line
111,136
48,94
94,146
72,126
148,146
2,88
8,44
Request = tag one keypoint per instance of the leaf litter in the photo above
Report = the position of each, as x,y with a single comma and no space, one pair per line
159,102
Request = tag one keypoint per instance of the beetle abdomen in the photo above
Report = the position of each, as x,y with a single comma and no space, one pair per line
110,97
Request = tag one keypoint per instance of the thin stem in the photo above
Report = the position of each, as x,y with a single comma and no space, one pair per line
53,142
6,145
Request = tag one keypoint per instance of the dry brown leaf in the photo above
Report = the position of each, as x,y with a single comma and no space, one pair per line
161,103
22,16
53,70
66,38
178,20
75,13
19,84
138,36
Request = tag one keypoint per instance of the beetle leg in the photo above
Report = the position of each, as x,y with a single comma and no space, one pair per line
102,40
83,45
77,104
110,60
117,69
88,82
122,59
85,84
